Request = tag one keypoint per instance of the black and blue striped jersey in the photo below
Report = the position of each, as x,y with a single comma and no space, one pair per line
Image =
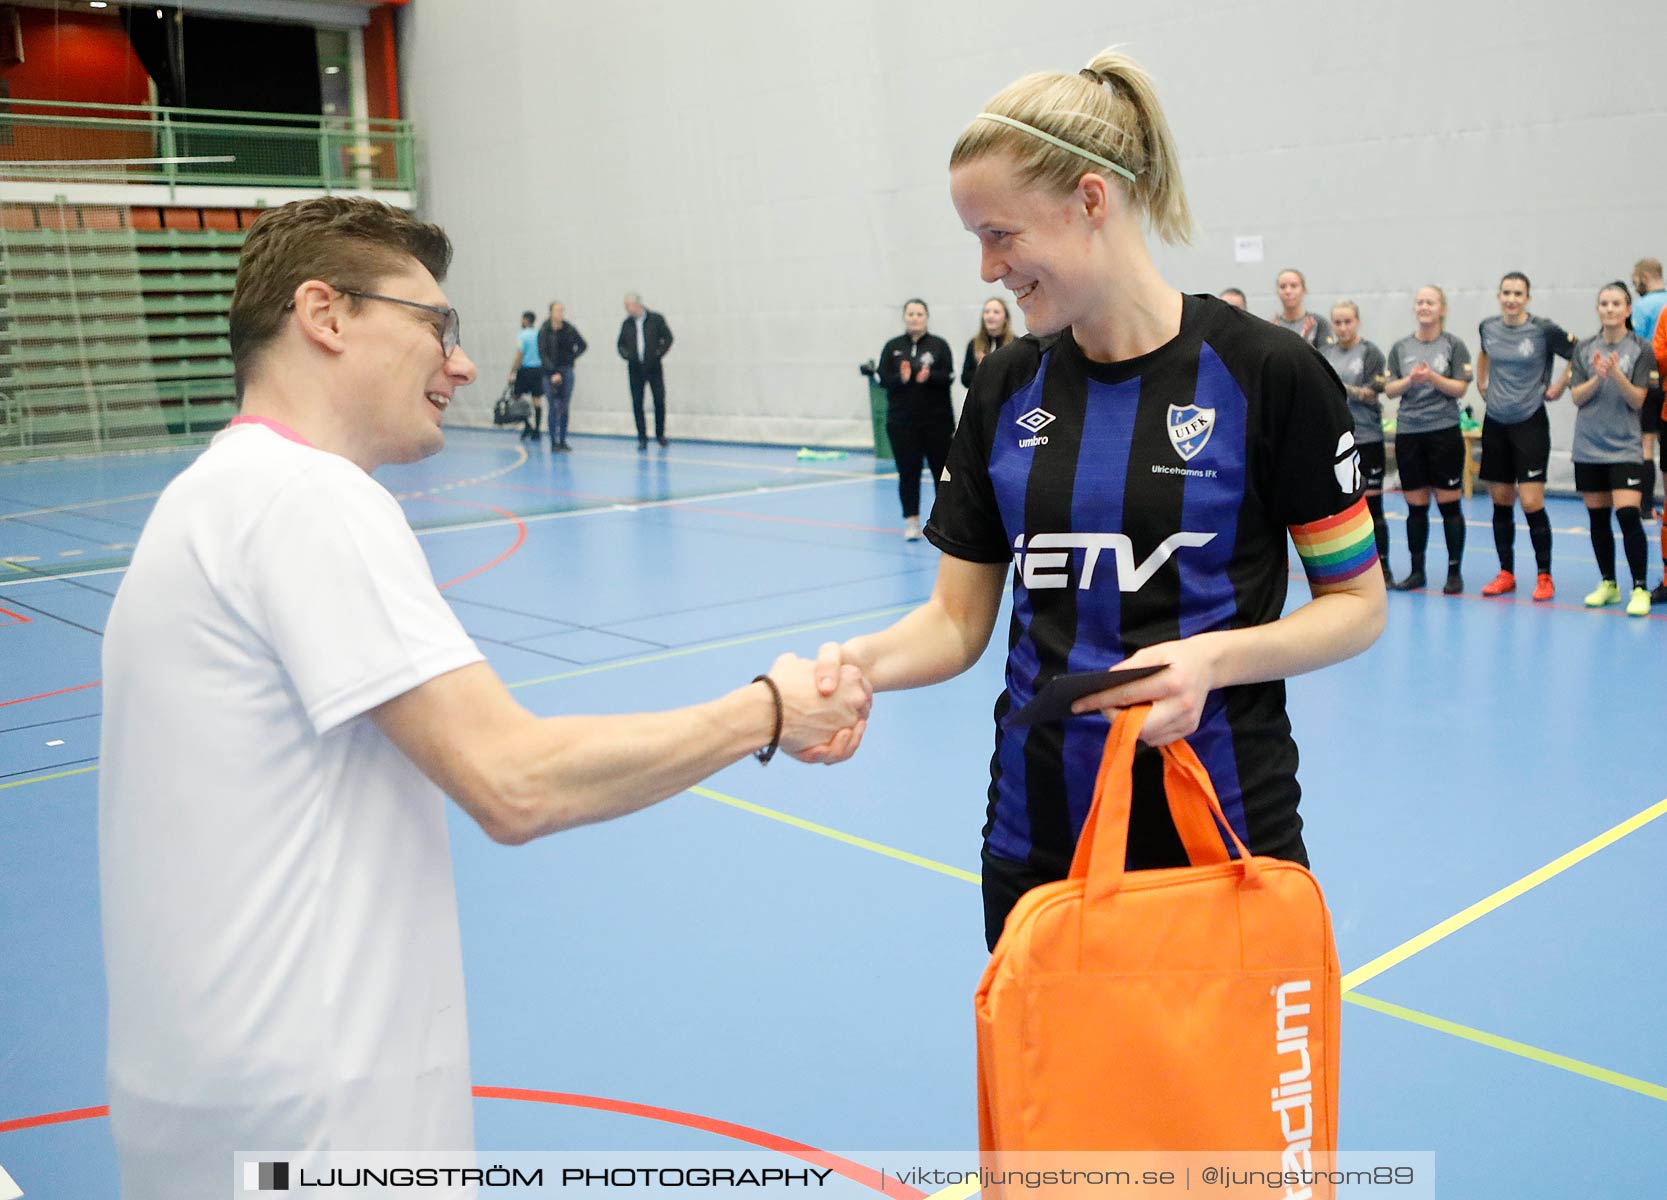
1141,502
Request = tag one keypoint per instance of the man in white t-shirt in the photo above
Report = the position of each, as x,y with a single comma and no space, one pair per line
287,703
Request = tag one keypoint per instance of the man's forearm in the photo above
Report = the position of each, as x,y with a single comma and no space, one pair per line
580,770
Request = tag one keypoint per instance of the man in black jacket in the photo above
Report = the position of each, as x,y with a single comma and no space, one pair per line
559,345
644,339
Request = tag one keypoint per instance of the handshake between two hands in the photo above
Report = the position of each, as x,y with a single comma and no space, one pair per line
826,701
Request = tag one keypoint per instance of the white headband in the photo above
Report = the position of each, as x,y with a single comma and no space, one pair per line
1060,142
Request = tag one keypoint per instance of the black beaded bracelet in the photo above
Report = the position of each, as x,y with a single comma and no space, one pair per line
769,752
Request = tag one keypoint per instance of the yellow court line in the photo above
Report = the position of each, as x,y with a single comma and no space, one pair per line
48,778
1522,1050
1602,1074
685,651
839,836
960,1191
1504,895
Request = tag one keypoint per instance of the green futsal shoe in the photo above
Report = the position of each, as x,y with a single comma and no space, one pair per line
1639,605
1607,593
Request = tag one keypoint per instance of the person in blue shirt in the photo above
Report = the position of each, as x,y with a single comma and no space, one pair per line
1134,466
524,374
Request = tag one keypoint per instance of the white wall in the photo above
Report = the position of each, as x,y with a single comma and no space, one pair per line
772,176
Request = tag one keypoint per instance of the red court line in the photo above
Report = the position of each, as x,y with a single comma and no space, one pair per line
856,1172
18,618
80,687
57,1118
520,536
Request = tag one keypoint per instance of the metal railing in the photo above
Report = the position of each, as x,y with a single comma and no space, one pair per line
111,338
64,141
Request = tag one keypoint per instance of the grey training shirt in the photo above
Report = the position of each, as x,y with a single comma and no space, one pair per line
1361,366
1606,427
1519,365
1423,408
1316,337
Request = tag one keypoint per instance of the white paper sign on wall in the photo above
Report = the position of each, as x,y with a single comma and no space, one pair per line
1247,249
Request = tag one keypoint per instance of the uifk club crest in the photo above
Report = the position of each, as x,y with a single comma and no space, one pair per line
1190,428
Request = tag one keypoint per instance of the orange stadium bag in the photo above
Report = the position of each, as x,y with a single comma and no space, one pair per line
1187,1009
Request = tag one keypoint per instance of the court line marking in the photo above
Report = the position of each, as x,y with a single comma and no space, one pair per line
471,526
962,1191
857,1173
452,485
41,512
638,456
520,539
839,835
1509,1046
685,651
47,779
604,508
690,506
1404,951
1504,895
597,668
854,1171
80,687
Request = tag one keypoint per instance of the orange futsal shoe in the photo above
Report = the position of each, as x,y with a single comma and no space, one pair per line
1502,583
1542,587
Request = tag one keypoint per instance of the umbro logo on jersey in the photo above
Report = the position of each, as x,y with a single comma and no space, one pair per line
1046,561
1036,420
1190,428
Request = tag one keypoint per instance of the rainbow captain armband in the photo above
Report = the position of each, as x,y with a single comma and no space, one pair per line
1337,548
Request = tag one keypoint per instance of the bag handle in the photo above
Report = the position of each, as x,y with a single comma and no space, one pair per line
1102,849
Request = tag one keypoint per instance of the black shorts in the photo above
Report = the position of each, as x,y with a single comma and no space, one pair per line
1650,416
529,381
1434,459
1371,465
1518,453
1608,477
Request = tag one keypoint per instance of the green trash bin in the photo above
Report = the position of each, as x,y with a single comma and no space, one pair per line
877,410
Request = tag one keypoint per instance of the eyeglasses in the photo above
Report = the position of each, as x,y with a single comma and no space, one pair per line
449,331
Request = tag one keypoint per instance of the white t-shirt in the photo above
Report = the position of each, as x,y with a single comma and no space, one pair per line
280,920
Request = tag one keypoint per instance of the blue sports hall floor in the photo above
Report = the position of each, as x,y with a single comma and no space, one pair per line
790,953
